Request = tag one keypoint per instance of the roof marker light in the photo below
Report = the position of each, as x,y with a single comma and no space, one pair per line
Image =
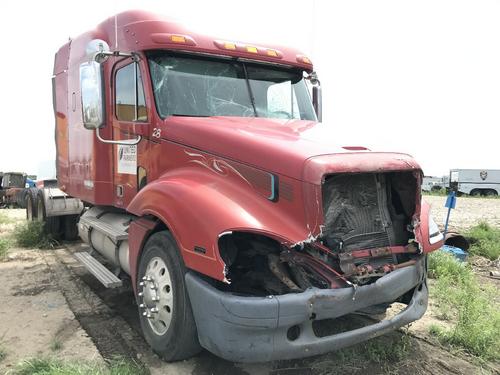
303,59
177,39
246,48
164,38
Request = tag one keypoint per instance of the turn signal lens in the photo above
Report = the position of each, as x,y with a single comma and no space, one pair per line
178,39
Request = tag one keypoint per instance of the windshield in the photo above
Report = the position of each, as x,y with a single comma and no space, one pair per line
193,86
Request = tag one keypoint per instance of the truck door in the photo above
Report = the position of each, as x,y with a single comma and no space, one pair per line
131,118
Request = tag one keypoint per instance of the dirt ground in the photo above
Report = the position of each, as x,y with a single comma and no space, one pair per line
35,319
47,296
467,213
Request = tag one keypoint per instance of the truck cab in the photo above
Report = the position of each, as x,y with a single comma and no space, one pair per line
205,174
11,186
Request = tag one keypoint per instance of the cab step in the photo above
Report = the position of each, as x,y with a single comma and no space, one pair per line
110,231
101,273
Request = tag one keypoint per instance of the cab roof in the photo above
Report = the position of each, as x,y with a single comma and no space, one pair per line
138,30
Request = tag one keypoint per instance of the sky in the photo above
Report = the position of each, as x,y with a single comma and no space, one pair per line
421,77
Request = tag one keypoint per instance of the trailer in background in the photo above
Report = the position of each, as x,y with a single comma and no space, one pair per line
475,182
431,183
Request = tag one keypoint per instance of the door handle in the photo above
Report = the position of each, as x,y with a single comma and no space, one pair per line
128,142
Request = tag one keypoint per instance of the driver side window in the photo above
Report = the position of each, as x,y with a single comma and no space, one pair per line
130,103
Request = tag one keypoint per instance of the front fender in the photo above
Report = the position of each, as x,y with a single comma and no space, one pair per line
198,205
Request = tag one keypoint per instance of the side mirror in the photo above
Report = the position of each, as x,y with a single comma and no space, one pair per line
316,94
91,87
317,101
98,50
91,84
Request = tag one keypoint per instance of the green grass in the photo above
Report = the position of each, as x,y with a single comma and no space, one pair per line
4,219
49,366
3,353
4,247
56,345
484,240
439,193
31,234
470,306
380,350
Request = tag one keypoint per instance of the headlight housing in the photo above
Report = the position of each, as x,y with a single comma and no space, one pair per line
435,234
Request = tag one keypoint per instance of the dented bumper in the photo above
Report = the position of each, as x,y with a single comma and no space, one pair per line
254,329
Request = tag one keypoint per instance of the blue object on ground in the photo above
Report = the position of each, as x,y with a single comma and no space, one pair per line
456,252
451,202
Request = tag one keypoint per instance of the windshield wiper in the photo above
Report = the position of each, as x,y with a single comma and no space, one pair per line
250,93
184,115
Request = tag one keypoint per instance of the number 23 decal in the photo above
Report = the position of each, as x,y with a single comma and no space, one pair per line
156,133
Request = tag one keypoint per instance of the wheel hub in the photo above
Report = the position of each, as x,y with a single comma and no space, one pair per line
155,296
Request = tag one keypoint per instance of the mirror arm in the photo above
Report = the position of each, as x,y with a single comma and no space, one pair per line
102,56
127,142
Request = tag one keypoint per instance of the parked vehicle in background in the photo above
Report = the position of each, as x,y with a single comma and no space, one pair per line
12,186
30,182
430,183
475,182
208,178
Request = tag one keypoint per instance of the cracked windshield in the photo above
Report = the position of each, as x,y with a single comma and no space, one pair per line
187,86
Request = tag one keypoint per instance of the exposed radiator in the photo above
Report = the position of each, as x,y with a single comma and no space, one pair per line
356,212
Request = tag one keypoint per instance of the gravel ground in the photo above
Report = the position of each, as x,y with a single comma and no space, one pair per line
468,211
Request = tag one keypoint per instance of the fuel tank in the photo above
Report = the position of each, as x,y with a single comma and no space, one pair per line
106,231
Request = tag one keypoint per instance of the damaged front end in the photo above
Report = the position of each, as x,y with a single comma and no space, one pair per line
367,255
368,231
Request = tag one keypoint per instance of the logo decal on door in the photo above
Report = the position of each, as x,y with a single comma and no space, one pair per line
127,159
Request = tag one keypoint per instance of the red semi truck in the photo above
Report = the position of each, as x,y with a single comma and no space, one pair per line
199,167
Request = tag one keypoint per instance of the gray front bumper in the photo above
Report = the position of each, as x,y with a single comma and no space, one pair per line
254,329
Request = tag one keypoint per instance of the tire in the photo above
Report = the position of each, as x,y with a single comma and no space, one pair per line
31,204
491,193
475,193
52,223
176,338
69,227
21,198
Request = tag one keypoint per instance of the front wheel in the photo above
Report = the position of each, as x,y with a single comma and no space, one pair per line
165,313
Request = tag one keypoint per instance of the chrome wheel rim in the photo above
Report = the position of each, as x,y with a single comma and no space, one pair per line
155,294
